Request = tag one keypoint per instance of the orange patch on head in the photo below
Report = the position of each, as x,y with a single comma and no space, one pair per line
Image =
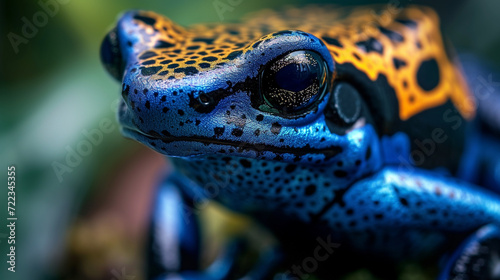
412,45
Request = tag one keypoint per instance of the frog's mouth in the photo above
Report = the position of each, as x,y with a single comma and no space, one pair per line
204,145
238,146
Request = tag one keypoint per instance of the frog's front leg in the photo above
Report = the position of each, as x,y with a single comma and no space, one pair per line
477,258
415,213
174,241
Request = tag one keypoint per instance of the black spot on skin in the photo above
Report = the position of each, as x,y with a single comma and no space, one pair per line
368,153
147,104
145,91
209,58
428,75
409,23
432,211
218,131
147,55
162,44
233,55
310,190
371,45
349,211
276,128
190,70
259,118
165,109
204,65
148,71
256,132
332,41
189,62
163,98
237,132
379,216
173,65
403,201
398,63
340,173
245,163
163,73
180,112
393,35
193,48
256,44
290,168
204,40
149,62
146,20
166,61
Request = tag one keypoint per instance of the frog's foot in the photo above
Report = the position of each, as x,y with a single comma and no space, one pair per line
174,242
478,257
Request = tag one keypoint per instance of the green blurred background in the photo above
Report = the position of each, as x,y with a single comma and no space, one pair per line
53,89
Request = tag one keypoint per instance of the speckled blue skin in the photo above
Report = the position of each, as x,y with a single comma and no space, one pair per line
295,173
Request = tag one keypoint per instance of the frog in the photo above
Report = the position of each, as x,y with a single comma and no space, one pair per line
347,127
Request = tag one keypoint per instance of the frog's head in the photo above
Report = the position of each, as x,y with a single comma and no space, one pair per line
230,90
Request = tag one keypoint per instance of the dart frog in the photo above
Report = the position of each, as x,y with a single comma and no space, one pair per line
325,126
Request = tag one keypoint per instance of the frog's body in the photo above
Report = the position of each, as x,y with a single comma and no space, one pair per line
306,123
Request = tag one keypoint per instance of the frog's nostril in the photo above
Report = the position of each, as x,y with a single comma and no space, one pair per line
204,99
111,55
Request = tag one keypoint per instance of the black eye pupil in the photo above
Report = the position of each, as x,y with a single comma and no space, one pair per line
291,84
296,77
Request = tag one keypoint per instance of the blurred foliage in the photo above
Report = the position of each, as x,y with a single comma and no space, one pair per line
54,88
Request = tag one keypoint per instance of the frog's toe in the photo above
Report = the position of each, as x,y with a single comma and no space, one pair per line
478,257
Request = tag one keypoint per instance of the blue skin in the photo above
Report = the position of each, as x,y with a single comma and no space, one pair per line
291,173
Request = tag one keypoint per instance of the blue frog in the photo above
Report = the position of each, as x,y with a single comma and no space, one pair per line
323,125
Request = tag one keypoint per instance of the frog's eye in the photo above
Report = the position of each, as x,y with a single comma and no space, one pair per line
292,84
111,56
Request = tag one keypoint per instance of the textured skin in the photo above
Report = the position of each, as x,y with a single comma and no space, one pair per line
383,184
